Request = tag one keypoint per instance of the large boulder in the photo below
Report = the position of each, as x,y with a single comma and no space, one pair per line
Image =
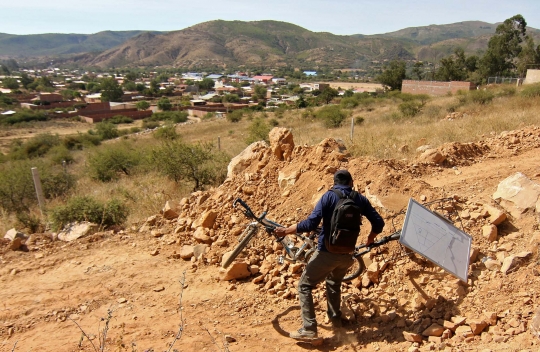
518,194
237,270
243,160
76,230
432,156
288,178
281,142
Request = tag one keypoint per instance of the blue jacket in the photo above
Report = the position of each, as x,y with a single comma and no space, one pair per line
325,207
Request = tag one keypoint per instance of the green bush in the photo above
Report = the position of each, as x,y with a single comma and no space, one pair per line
481,96
80,141
258,131
167,131
273,122
24,116
59,154
174,116
35,147
507,91
105,130
358,120
197,163
531,91
332,116
118,119
349,102
410,108
17,192
150,125
85,208
107,164
234,116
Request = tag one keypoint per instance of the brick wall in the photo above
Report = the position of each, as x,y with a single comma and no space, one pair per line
533,76
135,115
435,87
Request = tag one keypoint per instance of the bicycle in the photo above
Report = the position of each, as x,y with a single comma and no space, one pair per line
292,253
308,245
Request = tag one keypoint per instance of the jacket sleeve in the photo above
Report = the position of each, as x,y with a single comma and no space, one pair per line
314,219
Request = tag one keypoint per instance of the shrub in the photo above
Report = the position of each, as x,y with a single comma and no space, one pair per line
349,102
481,96
150,125
108,163
118,119
258,131
358,120
531,91
197,163
25,116
166,132
174,116
164,104
80,141
59,154
235,116
85,208
410,108
35,147
105,130
332,116
17,192
273,122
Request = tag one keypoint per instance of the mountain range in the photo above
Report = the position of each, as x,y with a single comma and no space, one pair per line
258,43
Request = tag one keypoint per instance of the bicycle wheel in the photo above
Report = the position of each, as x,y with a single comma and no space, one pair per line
249,233
355,270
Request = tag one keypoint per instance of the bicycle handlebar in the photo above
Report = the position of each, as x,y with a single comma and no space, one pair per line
269,225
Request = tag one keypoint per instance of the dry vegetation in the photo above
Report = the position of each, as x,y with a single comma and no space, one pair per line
383,134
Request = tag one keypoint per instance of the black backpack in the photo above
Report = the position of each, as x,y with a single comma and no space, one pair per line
345,225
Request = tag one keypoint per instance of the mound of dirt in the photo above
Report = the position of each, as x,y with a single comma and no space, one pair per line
402,302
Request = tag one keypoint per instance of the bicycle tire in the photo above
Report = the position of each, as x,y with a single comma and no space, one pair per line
251,231
355,270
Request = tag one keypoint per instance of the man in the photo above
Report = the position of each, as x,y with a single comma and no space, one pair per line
323,264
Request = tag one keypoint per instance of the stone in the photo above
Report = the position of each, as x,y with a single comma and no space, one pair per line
490,318
473,255
534,326
199,250
433,330
432,156
168,211
229,338
76,230
496,216
412,337
489,232
287,178
450,325
207,219
464,331
517,194
243,160
492,264
237,270
13,234
477,326
15,244
372,272
186,252
281,142
508,263
158,289
201,235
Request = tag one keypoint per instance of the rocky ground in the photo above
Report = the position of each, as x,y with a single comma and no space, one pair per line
137,288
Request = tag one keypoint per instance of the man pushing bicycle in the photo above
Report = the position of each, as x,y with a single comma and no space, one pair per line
340,209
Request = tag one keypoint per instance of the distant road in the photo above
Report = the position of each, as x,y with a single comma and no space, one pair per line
368,87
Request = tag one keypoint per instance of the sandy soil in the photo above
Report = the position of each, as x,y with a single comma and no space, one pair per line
52,290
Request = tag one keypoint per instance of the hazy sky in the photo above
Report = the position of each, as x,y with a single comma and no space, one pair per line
335,16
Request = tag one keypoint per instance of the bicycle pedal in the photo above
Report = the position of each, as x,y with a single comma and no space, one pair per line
280,259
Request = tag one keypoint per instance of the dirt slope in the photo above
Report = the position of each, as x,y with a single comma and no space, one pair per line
136,273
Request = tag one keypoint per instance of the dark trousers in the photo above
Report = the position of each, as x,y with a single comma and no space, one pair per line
322,265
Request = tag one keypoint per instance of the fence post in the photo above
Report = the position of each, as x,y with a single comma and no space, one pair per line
39,190
352,128
218,143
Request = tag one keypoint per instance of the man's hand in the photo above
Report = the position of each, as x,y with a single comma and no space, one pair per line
371,238
284,231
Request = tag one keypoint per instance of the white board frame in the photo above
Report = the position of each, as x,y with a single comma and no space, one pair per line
428,233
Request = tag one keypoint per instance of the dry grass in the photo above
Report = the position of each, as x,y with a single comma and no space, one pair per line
381,135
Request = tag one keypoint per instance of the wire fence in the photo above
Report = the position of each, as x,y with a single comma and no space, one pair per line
503,80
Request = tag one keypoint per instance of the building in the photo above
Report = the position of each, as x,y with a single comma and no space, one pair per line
435,88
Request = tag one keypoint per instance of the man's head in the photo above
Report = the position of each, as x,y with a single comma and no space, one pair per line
343,177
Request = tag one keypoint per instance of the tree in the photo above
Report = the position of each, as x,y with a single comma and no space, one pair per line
259,92
10,83
504,47
164,104
418,70
197,163
231,98
530,55
206,84
143,105
452,68
130,86
25,80
393,75
111,90
328,94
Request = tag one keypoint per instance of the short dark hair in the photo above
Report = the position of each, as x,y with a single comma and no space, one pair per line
342,177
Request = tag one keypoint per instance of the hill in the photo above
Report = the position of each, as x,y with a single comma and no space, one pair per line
235,43
56,44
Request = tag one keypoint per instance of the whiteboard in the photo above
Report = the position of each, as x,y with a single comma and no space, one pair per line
436,238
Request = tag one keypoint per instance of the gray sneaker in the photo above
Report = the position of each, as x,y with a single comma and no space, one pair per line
303,335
